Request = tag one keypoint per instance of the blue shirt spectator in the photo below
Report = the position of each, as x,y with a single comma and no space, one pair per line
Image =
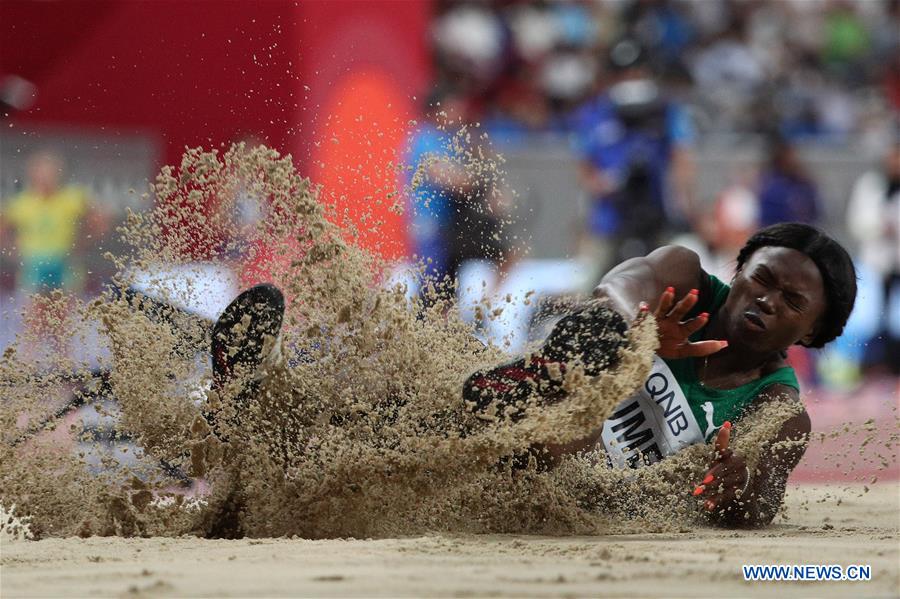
430,209
784,198
786,192
616,147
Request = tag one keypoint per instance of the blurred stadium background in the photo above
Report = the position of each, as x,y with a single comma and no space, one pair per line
712,116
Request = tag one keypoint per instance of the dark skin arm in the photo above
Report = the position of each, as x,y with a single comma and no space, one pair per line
645,279
657,279
721,486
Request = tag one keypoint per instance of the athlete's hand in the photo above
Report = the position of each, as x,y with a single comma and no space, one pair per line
727,477
675,332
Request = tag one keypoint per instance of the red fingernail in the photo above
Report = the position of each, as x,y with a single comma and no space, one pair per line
670,290
644,307
694,292
710,505
709,478
726,425
704,315
723,343
698,490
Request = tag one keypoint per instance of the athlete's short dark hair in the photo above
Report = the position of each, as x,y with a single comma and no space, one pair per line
833,261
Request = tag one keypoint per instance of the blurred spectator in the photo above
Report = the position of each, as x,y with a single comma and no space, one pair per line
846,43
45,221
873,217
728,74
568,71
799,65
470,42
891,82
729,61
662,26
456,202
733,220
634,144
786,191
51,227
433,179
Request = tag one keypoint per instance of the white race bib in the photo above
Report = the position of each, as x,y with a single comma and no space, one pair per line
653,423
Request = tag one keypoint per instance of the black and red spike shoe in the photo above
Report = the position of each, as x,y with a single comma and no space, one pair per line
590,336
244,339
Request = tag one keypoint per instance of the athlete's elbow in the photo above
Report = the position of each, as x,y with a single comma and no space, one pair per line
674,257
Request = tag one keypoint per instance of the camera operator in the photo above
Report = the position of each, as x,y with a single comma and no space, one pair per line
636,164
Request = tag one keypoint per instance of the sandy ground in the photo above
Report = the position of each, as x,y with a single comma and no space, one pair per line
863,529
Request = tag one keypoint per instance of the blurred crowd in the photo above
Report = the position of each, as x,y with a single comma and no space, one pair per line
821,68
634,87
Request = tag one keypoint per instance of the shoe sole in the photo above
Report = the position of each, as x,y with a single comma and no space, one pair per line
584,334
240,335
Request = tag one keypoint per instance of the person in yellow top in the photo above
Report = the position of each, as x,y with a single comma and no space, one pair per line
45,220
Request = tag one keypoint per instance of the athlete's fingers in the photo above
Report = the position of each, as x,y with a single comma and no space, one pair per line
723,438
695,324
713,473
724,495
716,488
701,488
642,313
684,305
721,477
718,498
665,303
700,349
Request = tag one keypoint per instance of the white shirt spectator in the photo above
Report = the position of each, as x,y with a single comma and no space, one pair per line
874,221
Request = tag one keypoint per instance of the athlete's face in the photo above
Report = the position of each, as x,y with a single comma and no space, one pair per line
777,299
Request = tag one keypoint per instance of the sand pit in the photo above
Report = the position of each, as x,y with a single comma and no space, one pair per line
863,529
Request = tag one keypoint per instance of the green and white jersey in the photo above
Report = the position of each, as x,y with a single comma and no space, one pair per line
673,409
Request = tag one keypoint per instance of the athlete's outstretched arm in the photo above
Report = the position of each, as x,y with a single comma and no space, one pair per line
655,282
733,499
645,279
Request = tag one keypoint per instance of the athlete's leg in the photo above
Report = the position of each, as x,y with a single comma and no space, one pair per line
245,347
592,336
